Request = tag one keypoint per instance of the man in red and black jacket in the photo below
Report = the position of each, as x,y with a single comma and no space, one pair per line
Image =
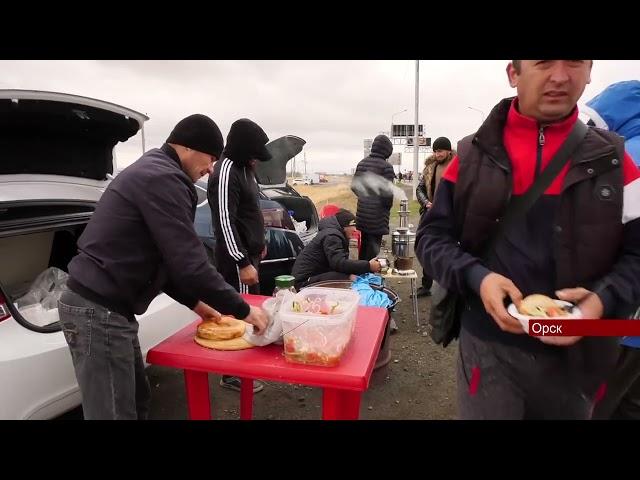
579,242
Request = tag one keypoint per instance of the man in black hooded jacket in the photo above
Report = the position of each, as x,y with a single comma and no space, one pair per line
373,185
236,214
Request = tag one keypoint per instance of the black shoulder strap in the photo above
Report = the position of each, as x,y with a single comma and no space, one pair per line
518,206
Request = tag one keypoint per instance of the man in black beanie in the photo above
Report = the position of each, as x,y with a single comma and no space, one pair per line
326,257
141,241
236,214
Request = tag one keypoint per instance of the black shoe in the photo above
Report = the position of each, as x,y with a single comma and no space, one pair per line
424,292
233,383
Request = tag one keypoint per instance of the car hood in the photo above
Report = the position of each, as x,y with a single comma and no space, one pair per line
49,133
274,172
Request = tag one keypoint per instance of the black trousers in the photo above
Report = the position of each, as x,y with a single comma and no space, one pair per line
621,400
231,273
427,281
370,246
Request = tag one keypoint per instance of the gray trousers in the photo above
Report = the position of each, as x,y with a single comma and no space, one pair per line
502,382
107,360
622,398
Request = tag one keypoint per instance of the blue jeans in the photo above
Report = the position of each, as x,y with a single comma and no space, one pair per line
107,360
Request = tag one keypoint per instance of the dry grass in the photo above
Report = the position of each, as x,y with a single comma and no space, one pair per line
339,193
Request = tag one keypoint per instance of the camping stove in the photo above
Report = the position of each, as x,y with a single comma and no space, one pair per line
403,240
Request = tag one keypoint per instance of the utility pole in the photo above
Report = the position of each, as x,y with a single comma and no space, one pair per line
416,145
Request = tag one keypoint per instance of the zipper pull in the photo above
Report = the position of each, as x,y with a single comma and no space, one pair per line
541,136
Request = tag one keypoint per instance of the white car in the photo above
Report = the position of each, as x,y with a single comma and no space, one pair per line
55,162
302,181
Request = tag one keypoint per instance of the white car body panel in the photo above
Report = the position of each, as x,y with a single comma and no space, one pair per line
36,371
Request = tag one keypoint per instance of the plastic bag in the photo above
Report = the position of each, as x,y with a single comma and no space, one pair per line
40,304
368,296
273,332
300,227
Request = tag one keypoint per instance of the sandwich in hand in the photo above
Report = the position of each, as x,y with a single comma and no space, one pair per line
542,306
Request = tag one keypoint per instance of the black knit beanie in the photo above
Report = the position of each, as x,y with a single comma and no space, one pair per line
346,218
441,143
200,133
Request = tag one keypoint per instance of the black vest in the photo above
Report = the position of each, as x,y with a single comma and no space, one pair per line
587,224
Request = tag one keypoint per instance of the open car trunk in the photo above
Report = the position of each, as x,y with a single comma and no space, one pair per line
272,177
56,155
301,209
274,171
28,247
53,133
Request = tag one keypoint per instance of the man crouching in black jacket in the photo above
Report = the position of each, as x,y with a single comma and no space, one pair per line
141,241
326,257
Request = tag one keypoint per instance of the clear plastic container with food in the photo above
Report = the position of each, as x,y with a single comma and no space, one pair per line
318,324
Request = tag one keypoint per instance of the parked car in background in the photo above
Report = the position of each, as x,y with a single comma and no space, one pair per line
301,181
56,158
290,219
310,179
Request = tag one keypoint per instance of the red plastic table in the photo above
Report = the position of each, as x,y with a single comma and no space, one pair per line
342,385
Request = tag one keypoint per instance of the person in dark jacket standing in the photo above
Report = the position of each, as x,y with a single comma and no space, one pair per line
373,185
578,242
141,241
237,217
326,257
434,167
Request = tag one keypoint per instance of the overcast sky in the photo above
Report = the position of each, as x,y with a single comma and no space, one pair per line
333,105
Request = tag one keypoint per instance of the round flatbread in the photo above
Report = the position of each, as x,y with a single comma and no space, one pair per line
227,329
232,344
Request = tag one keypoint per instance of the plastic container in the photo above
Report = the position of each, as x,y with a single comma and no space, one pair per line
318,324
384,357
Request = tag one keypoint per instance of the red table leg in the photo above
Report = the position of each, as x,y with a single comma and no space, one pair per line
198,402
329,404
246,398
340,404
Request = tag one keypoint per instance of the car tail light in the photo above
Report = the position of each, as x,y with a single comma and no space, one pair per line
4,310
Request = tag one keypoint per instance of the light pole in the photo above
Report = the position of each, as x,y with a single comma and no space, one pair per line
416,144
477,110
397,113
